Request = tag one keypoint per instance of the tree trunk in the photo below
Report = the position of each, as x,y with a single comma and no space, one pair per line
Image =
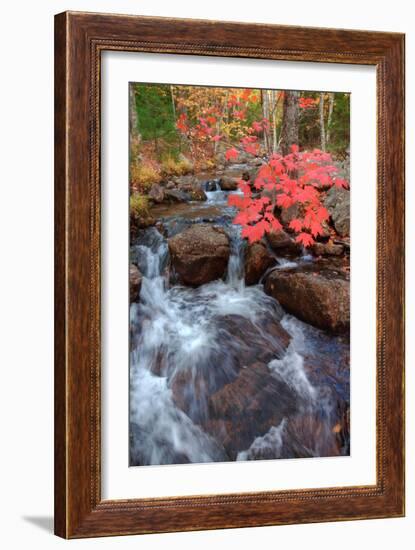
134,134
322,127
289,132
173,106
330,115
274,120
265,115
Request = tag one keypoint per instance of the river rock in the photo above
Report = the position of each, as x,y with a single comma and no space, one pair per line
156,193
338,204
321,298
143,223
175,195
257,260
328,249
135,283
229,183
184,182
199,254
281,242
234,171
197,193
248,341
247,407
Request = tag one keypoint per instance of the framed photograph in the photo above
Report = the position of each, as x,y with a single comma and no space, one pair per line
229,275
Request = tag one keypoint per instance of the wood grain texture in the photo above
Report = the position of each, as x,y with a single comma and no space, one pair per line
79,40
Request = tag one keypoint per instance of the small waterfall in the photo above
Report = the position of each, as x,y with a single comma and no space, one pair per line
291,366
214,193
236,264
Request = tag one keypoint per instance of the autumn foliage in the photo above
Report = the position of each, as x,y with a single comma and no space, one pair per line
299,178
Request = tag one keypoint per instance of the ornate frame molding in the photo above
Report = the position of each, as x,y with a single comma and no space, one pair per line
79,40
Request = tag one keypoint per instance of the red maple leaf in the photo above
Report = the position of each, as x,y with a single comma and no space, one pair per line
285,201
255,232
316,228
305,239
341,183
251,149
244,187
308,194
296,224
277,165
265,177
275,224
239,201
290,164
257,127
322,214
231,154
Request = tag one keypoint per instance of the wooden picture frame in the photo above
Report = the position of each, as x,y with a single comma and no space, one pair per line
79,40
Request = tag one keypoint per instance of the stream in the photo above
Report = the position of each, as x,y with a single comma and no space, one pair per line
221,372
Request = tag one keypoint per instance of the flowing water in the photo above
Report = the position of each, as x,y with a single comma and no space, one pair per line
220,372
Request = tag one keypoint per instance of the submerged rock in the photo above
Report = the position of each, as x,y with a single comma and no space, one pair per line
257,260
320,297
248,407
199,254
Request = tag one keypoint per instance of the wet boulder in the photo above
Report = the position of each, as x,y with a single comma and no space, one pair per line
136,279
199,254
257,260
338,204
320,297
